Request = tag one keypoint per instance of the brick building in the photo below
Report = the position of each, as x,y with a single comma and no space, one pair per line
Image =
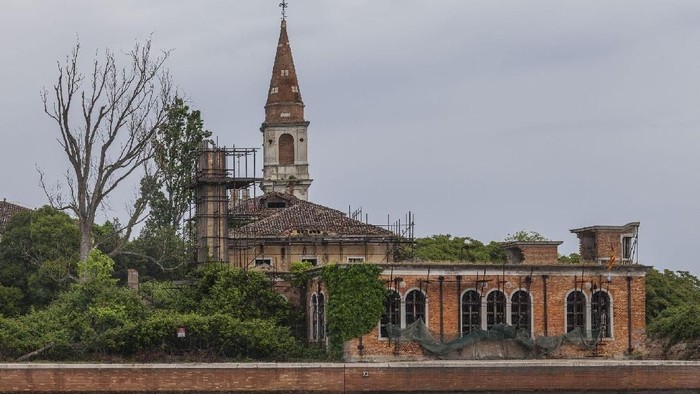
271,231
538,295
600,299
7,211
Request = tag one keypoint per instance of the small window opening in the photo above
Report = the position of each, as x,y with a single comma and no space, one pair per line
263,262
314,317
277,204
285,73
626,248
321,317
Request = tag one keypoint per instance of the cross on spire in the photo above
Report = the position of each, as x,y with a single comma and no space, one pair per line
284,6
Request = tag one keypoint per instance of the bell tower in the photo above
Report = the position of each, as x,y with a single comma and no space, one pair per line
285,138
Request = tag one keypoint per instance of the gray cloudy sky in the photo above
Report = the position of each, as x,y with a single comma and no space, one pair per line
481,117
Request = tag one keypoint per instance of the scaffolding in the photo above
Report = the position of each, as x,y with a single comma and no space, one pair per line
223,178
404,230
314,246
226,198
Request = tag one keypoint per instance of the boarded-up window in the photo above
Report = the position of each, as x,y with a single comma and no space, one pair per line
286,146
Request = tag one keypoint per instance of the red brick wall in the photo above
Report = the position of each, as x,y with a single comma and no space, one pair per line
540,254
608,244
432,376
558,286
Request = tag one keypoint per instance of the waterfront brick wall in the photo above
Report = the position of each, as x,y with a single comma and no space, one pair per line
433,376
548,313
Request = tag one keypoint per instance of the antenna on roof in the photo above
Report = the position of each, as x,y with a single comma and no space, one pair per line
284,6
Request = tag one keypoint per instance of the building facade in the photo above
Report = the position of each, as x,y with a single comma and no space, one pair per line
595,307
561,310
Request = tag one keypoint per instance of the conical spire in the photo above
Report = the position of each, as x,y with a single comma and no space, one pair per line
284,103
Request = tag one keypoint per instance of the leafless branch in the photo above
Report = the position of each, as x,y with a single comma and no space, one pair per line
106,132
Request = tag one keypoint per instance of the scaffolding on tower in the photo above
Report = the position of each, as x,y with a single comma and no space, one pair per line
224,177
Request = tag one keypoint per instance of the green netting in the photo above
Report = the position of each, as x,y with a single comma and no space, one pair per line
537,347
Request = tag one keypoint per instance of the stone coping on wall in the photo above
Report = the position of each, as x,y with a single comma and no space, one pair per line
373,365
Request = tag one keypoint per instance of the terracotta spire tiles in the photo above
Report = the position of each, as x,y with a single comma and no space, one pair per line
284,103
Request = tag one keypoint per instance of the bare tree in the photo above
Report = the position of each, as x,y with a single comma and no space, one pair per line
106,122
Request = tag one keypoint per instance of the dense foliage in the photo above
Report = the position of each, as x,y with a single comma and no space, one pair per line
351,312
38,251
54,307
673,305
224,313
526,236
175,145
444,247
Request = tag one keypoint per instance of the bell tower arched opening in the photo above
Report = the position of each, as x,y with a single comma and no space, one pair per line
286,149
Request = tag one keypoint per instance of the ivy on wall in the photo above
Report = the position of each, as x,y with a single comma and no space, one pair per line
356,299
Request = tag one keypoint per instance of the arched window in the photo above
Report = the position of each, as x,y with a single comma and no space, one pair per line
520,310
575,311
392,313
286,149
495,309
415,306
321,317
314,317
471,312
601,315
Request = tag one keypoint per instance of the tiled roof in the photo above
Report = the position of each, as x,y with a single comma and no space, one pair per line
300,218
257,207
7,210
284,103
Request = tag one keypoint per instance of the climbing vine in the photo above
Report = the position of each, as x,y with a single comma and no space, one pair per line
356,298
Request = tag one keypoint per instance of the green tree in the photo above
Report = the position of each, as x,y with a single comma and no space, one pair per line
444,247
38,252
678,323
176,145
158,253
11,301
672,305
669,289
162,248
526,236
90,317
573,258
239,293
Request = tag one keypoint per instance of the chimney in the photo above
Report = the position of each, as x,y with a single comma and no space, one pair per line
133,279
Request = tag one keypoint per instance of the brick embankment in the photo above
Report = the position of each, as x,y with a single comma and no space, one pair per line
432,376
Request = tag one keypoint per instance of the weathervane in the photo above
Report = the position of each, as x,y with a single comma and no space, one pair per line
284,6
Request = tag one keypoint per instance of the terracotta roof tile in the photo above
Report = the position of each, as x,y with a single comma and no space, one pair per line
300,218
7,210
284,103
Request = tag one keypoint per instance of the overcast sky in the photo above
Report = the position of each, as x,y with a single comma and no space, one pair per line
481,117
